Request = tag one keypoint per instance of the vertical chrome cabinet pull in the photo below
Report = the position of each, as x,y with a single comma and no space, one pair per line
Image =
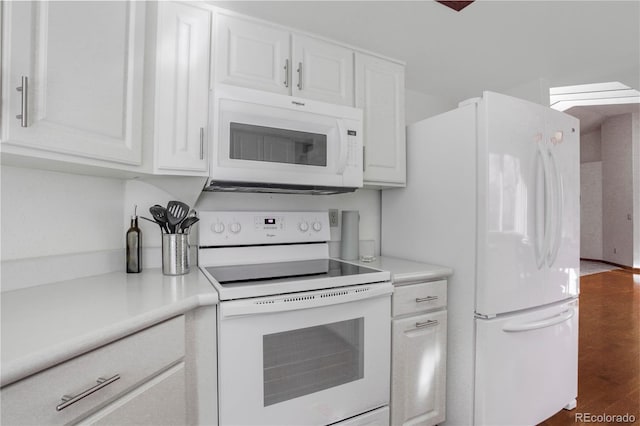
202,143
428,323
68,400
426,299
24,113
299,75
286,73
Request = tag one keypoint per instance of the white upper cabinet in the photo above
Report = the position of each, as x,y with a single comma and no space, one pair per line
252,55
259,56
83,64
182,89
322,71
380,93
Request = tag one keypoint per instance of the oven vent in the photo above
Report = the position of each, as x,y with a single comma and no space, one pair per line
265,302
299,298
362,290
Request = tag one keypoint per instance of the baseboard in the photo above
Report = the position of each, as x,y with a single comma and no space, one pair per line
625,267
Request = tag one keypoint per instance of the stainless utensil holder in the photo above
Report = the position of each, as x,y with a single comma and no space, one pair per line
175,254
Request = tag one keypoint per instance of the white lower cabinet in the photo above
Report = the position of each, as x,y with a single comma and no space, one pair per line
139,379
418,360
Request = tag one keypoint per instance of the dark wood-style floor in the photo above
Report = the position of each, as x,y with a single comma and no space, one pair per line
609,350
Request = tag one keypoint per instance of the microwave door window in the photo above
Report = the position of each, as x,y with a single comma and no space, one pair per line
273,145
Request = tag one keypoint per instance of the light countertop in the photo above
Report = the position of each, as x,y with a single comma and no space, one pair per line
407,271
48,324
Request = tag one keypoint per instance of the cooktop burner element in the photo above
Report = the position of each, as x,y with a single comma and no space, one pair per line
295,270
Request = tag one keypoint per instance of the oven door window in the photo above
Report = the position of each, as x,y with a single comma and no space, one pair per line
307,360
273,145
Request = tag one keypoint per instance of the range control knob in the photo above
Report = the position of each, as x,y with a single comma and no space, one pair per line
317,226
235,227
218,227
303,226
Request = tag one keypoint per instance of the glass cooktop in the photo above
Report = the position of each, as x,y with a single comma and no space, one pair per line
284,271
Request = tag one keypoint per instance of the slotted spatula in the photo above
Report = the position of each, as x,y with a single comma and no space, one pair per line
176,212
186,224
159,213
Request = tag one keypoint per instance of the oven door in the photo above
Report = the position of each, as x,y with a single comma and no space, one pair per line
276,139
310,358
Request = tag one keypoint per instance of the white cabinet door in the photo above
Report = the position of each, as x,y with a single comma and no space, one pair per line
380,93
84,63
418,369
160,401
322,70
182,87
251,54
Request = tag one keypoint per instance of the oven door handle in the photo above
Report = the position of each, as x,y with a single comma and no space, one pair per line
304,300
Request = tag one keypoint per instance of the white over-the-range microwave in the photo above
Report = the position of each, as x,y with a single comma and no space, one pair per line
267,142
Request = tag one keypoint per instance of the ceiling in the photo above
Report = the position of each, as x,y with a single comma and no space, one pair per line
490,45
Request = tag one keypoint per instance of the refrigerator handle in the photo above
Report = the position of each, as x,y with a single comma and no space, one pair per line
535,325
542,247
558,199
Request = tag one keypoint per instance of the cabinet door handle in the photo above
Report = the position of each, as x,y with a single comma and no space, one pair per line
202,143
428,323
299,75
286,73
426,299
102,382
24,101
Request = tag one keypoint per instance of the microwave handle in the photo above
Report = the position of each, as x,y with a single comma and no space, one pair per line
343,140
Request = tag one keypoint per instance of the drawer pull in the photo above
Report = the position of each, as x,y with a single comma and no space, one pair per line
426,299
68,400
429,323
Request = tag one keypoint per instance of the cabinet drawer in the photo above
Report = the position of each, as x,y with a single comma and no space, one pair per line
419,297
135,359
418,370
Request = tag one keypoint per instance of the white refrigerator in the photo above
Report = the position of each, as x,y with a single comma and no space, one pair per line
493,192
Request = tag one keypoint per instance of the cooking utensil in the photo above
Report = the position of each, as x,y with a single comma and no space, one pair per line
176,212
186,224
159,213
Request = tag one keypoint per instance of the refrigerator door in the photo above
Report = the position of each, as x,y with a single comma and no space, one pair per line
526,365
562,259
515,208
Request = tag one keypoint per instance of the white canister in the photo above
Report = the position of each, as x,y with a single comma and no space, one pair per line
350,239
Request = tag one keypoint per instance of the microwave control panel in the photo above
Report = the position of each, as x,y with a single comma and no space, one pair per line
252,228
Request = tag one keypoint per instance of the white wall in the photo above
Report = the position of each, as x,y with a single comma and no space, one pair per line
419,106
617,190
145,195
49,213
590,147
591,210
58,226
535,91
366,201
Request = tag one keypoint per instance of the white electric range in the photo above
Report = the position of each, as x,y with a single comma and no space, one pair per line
303,339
